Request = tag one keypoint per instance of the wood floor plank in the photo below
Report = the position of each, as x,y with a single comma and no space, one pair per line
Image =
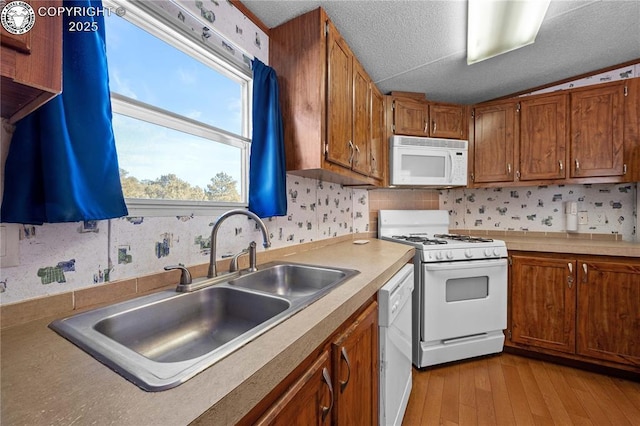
614,403
413,414
519,403
564,391
536,401
500,393
467,385
468,415
512,390
451,395
433,400
557,410
485,409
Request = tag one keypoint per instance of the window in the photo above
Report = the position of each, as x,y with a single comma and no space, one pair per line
180,116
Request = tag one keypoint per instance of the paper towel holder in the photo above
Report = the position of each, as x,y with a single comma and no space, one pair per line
571,215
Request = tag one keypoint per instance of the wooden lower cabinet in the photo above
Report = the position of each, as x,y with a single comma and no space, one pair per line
586,308
308,401
338,386
355,365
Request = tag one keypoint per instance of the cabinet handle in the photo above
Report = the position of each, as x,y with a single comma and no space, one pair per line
357,158
624,169
577,166
560,164
327,380
351,152
570,276
434,127
509,168
517,174
585,276
570,265
344,383
426,126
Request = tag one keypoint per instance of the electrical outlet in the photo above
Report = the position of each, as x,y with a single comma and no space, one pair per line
599,219
583,218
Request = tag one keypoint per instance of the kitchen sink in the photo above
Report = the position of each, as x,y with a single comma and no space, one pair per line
291,279
161,340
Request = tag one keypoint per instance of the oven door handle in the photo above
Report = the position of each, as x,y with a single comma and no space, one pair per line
465,264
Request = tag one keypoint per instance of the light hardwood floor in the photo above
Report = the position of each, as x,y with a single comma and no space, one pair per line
508,389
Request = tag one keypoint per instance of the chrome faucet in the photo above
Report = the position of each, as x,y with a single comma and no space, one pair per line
211,273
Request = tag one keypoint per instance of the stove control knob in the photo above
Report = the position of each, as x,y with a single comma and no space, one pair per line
487,252
449,255
439,255
468,253
496,252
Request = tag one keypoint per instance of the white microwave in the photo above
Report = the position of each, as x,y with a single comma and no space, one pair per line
420,161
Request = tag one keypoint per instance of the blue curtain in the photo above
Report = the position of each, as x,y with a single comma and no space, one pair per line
267,168
62,164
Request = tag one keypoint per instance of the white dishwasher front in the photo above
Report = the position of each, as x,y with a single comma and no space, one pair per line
394,323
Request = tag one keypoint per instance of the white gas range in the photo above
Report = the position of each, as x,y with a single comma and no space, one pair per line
460,295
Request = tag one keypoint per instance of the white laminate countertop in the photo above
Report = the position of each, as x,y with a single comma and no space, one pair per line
47,380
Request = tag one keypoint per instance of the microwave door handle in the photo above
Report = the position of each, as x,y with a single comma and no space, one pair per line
450,167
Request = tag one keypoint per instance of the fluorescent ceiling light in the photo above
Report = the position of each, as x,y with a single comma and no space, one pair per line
500,26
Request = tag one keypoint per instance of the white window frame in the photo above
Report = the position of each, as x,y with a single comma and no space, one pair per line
142,15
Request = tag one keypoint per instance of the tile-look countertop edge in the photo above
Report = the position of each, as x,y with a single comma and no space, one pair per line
47,380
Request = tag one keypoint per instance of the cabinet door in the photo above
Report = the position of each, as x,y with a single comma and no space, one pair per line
609,311
543,129
410,117
307,402
543,302
377,141
340,147
361,123
446,121
494,141
597,128
355,366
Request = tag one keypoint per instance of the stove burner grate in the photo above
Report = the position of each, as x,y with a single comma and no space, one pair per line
465,238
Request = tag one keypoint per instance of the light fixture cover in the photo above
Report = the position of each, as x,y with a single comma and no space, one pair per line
500,26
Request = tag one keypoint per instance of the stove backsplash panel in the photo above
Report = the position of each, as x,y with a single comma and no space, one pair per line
607,208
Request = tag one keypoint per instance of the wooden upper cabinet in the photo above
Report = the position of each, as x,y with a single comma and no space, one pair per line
543,302
31,64
339,97
543,136
325,101
446,121
378,141
597,129
609,310
410,117
361,119
494,142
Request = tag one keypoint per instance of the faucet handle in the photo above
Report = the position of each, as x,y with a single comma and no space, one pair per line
233,265
185,277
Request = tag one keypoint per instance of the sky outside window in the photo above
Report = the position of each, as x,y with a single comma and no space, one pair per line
145,68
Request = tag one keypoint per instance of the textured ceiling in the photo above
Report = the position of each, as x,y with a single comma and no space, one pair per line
420,45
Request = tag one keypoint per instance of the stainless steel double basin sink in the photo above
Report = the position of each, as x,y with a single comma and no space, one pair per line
161,340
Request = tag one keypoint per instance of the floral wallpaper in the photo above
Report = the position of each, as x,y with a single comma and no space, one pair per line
57,258
608,208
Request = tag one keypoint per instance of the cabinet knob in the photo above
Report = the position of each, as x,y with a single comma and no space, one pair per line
560,164
577,166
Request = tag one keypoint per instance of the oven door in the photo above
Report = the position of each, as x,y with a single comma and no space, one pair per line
463,298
